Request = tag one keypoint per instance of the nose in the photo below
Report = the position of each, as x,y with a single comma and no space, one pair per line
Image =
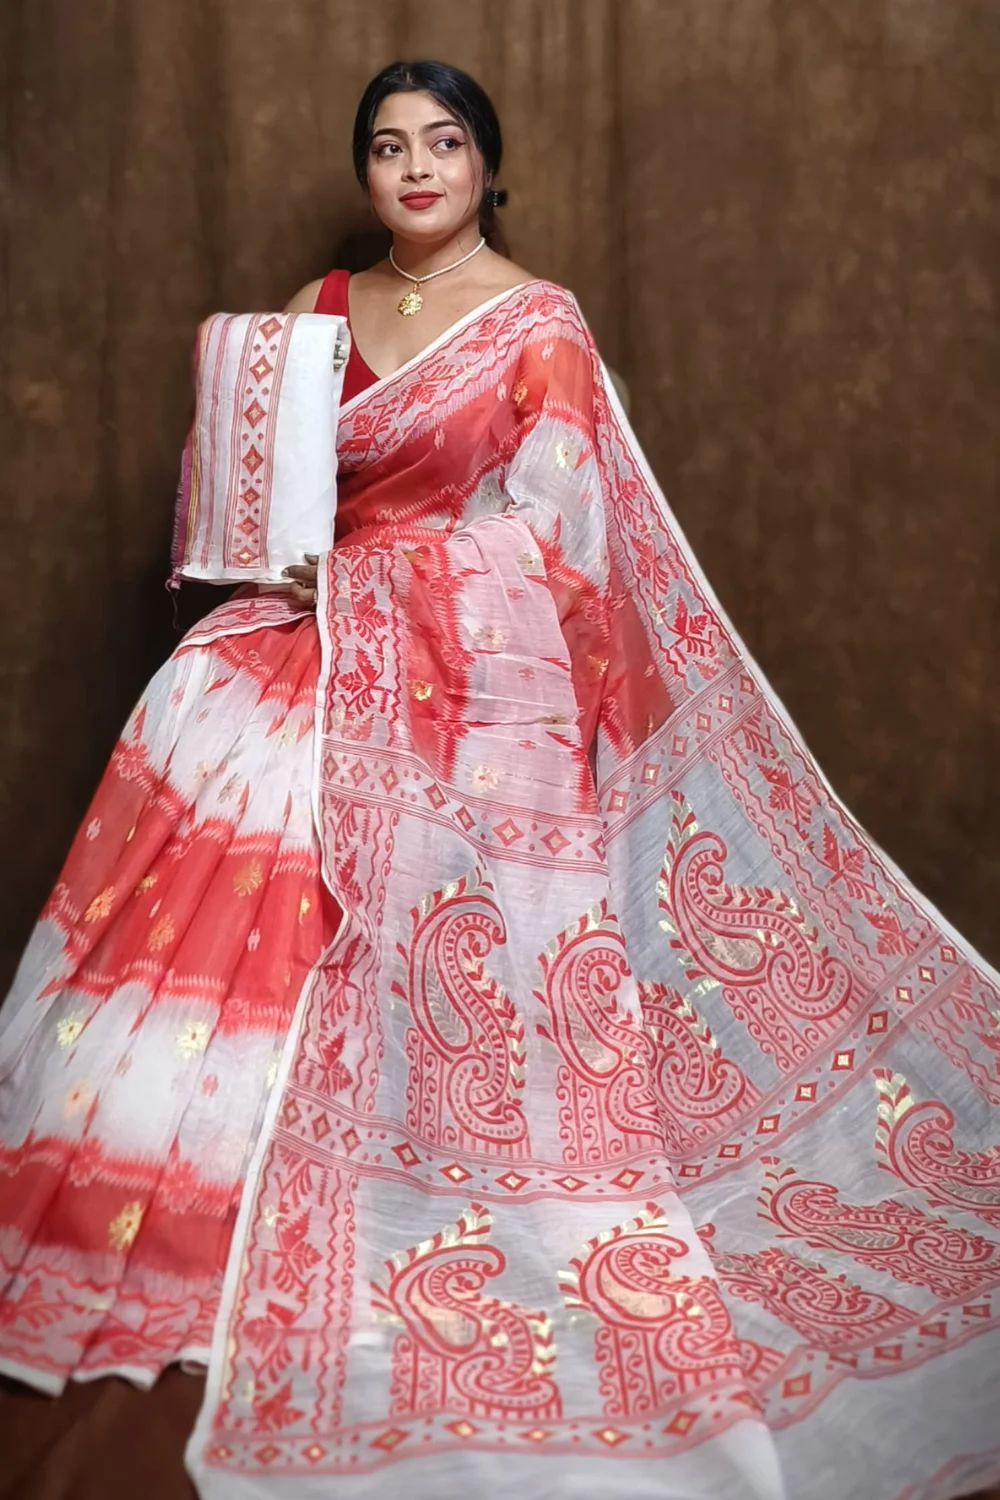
419,166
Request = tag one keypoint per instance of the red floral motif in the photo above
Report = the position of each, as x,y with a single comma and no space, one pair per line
660,1333
368,619
130,758
701,1094
918,1145
463,1350
346,823
180,1185
690,630
892,937
137,1332
243,613
466,1048
268,1335
832,867
293,1257
964,1025
756,944
606,1104
331,1073
360,693
827,1311
48,1319
30,1310
849,865
299,1183
889,1236
274,1412
363,700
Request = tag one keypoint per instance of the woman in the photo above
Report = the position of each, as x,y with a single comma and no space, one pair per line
478,982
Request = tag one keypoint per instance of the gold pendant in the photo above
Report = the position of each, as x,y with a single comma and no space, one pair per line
412,302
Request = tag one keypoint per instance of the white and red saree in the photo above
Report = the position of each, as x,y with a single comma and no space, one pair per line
618,1118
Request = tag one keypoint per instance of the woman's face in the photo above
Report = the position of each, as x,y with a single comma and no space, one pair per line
425,174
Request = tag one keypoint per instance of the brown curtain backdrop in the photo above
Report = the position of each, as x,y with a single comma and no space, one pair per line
781,218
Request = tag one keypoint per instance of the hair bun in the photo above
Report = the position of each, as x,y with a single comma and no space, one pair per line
495,197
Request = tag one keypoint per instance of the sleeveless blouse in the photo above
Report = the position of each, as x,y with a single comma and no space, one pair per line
332,298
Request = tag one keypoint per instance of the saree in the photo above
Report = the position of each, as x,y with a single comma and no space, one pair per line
608,1110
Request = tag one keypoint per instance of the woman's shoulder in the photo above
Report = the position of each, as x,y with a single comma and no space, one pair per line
548,299
503,274
305,300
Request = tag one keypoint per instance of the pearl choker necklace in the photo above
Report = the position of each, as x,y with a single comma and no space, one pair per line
413,302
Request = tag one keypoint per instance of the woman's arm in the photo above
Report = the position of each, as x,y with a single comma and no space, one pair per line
305,300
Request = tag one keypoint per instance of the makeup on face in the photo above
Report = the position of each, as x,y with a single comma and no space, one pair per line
423,165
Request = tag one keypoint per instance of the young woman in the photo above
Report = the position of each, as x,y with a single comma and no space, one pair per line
467,1020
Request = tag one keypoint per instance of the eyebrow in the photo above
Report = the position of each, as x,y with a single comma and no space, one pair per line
435,125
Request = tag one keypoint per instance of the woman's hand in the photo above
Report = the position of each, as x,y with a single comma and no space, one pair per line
304,581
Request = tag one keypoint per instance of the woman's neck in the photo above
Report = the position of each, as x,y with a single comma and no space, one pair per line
419,257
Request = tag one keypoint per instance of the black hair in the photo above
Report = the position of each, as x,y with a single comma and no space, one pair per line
463,97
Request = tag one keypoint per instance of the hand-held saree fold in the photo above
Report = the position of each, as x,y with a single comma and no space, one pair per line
636,1126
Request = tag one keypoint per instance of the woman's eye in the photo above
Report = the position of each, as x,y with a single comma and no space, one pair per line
386,149
449,141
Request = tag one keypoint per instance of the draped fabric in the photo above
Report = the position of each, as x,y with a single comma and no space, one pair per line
258,487
637,1126
151,1006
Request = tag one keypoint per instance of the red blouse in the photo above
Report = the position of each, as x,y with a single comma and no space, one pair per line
332,298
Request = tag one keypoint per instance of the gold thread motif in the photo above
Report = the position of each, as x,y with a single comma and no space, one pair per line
67,1030
192,1039
249,879
101,905
125,1226
420,690
490,638
161,933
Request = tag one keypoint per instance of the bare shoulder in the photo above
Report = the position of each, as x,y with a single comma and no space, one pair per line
305,300
504,273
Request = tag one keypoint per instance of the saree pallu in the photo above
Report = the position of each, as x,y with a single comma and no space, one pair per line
635,1120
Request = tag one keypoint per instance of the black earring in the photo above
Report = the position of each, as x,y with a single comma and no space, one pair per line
494,198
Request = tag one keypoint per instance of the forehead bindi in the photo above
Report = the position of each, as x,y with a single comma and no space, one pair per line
413,115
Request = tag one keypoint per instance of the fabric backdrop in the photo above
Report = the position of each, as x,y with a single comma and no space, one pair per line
781,218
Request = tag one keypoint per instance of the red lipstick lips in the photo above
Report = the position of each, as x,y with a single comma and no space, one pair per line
420,200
